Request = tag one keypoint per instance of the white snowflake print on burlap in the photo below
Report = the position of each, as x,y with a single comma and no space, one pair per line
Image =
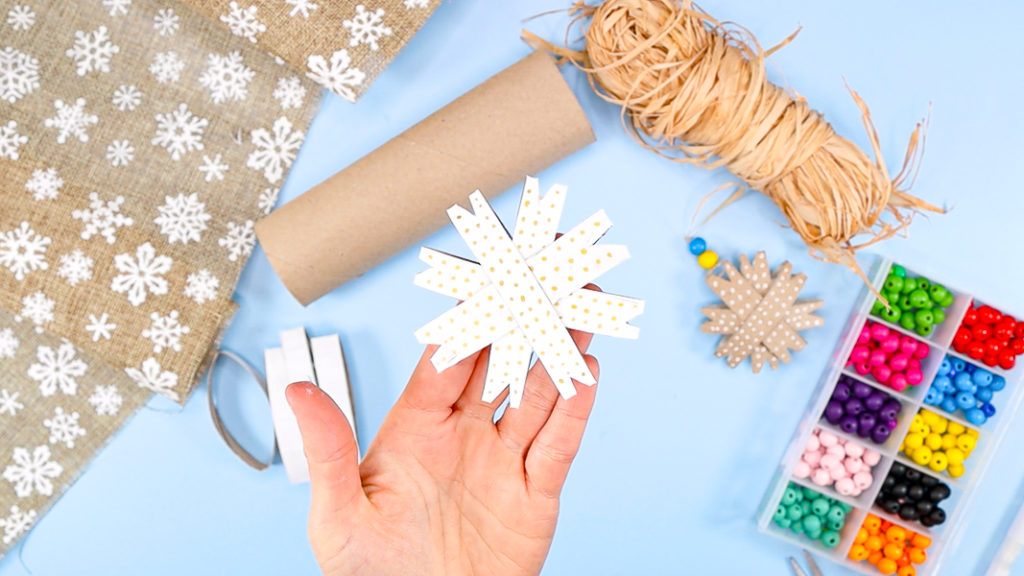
366,27
106,400
226,77
166,22
92,51
182,218
38,308
268,199
19,74
8,343
102,218
335,75
411,4
120,153
64,427
17,523
165,332
71,120
44,184
117,7
9,403
126,98
32,471
213,168
201,286
153,377
23,251
167,67
243,22
289,92
141,275
21,18
100,327
301,8
11,140
57,369
75,267
239,240
274,151
179,131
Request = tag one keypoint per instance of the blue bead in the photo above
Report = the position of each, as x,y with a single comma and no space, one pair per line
963,382
975,416
959,365
966,401
698,246
998,383
933,397
944,385
988,409
945,367
984,394
949,404
983,378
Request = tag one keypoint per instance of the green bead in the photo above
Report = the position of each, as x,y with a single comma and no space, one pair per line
947,301
918,298
813,534
836,512
925,329
891,315
811,523
923,283
909,285
805,506
937,293
835,524
785,522
905,304
790,497
797,527
924,317
846,507
938,315
893,283
820,506
780,513
808,493
907,322
830,539
928,305
795,512
877,308
898,270
893,298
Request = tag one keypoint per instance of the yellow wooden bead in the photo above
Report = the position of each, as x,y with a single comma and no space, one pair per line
972,433
955,471
939,462
933,441
912,441
707,259
931,418
955,428
940,426
917,424
949,441
921,455
966,443
955,456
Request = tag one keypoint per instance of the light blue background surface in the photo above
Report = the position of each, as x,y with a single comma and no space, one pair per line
680,448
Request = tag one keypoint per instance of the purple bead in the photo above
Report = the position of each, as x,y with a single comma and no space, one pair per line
880,434
848,424
853,406
834,411
863,431
891,424
867,420
890,410
876,400
861,390
842,392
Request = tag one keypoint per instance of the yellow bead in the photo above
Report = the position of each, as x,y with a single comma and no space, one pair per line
966,443
949,441
707,259
917,424
955,471
939,462
930,418
912,441
940,426
955,456
972,433
921,455
933,441
956,428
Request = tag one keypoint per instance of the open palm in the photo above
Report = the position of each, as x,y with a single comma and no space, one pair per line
443,488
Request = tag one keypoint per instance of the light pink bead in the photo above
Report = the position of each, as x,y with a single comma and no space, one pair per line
838,473
845,486
802,470
812,457
882,373
890,344
862,480
908,346
863,368
898,382
899,362
879,332
914,377
821,477
860,354
838,450
871,458
877,358
828,439
813,443
830,461
922,351
853,465
854,450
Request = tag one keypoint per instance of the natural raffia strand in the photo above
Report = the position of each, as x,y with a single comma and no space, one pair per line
696,91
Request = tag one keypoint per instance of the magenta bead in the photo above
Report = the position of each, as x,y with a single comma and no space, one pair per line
914,377
899,362
914,363
898,382
879,332
865,335
877,358
922,351
882,373
890,344
860,354
908,346
863,368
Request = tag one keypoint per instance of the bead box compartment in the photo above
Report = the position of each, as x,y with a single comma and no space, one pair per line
943,536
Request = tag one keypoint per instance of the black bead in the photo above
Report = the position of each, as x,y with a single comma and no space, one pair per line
924,507
908,512
897,469
928,481
915,492
912,475
939,492
898,491
891,506
938,516
926,521
889,481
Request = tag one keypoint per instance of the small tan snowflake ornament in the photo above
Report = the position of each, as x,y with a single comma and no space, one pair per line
760,315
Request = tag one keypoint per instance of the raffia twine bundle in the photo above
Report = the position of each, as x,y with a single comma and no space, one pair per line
696,91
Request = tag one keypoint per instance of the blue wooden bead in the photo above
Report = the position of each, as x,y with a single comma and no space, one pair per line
975,416
949,404
966,401
959,365
698,246
988,409
944,385
998,383
945,367
984,394
964,382
983,378
933,397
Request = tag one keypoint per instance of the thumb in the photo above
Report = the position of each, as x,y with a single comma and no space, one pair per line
331,452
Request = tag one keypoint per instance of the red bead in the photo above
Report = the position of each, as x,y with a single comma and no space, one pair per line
1004,330
993,347
991,360
1007,360
989,315
963,337
1018,330
976,350
1017,345
981,332
971,318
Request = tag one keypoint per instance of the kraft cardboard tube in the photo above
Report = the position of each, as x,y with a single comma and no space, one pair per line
515,124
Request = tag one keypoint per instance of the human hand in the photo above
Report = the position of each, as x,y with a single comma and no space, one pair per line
442,489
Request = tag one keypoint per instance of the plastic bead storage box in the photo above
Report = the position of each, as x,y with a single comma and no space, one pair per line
880,474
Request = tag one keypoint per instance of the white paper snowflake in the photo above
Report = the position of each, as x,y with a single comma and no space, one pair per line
19,74
58,368
274,152
9,403
8,343
126,97
21,17
11,140
32,472
165,331
182,218
179,131
268,199
106,400
75,267
71,120
23,251
525,294
44,184
239,240
100,327
289,92
226,77
92,52
17,523
153,377
117,6
38,308
201,286
167,67
166,22
335,75
213,168
243,22
64,427
120,153
141,275
366,27
102,218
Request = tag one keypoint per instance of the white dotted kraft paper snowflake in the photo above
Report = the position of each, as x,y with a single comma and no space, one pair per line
525,293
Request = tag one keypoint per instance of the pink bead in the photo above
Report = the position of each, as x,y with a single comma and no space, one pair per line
839,451
899,362
871,457
922,351
854,450
898,382
860,354
830,461
877,358
845,487
838,473
882,373
812,458
914,363
813,443
853,465
863,368
908,346
914,377
821,477
891,343
828,439
865,335
862,480
879,332
802,470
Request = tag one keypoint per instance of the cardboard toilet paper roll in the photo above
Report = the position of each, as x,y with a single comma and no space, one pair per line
515,124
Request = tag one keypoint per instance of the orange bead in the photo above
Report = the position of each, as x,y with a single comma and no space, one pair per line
872,523
906,571
917,555
903,560
875,557
858,552
896,534
874,543
885,525
892,551
921,541
887,566
862,535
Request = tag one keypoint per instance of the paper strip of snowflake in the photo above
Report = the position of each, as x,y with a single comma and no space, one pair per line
760,316
525,293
